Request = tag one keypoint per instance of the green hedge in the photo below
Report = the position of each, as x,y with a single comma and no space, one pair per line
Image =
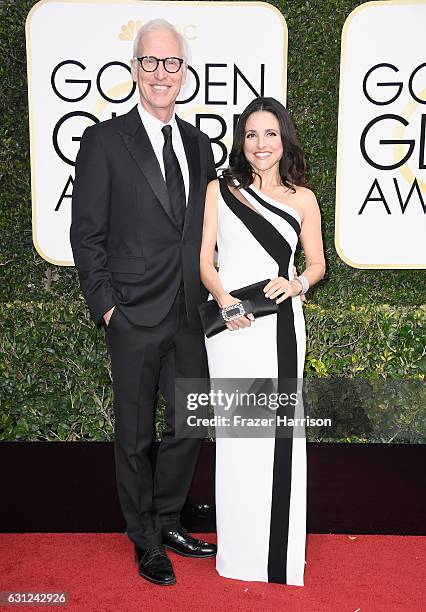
55,381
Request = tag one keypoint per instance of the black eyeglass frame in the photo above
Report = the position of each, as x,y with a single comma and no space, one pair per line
158,60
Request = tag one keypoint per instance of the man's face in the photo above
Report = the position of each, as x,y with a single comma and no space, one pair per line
158,90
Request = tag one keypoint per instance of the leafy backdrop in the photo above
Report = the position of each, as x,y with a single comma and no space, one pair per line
54,374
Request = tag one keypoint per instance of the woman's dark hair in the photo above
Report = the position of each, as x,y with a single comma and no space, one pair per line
292,167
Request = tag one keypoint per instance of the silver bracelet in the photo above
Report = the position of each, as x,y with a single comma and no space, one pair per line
304,282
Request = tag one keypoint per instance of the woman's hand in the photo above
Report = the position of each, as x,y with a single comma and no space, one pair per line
302,295
240,322
279,289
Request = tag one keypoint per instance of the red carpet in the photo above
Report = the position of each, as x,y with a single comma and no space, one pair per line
343,573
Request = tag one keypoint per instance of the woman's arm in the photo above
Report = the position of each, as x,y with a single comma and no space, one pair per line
208,273
311,240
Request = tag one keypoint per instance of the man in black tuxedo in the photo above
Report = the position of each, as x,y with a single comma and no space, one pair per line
137,215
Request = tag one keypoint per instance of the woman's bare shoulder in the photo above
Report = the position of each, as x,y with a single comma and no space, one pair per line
305,197
304,193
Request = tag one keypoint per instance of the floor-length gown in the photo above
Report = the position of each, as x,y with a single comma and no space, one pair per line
260,482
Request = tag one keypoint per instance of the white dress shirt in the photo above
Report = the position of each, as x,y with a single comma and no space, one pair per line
153,127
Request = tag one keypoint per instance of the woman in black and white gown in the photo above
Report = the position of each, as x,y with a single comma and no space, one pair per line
256,213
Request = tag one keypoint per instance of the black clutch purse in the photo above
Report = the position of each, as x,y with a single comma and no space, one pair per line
253,300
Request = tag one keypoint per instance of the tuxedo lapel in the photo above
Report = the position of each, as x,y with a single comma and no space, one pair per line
140,148
192,152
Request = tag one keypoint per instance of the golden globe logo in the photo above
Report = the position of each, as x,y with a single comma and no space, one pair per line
76,81
394,124
381,157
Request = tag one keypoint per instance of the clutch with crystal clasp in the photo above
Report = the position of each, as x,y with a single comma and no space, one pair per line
252,301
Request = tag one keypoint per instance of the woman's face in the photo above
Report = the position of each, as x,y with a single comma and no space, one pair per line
263,147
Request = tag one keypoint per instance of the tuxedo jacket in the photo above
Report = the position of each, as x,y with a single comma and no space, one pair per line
128,249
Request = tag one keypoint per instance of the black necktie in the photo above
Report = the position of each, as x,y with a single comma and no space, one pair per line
174,178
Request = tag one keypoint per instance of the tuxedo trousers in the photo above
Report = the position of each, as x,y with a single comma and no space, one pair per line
145,360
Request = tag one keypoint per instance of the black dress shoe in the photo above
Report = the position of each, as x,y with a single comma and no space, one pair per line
198,518
154,565
181,542
203,510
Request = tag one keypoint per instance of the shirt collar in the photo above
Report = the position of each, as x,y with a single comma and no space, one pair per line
153,125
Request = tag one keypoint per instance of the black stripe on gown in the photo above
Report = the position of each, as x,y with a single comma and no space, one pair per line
279,249
264,232
278,211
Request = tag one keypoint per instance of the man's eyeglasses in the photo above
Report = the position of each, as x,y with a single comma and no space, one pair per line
149,63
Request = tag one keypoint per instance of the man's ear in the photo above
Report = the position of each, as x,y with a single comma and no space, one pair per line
134,69
185,72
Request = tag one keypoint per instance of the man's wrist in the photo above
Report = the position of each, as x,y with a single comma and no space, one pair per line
107,315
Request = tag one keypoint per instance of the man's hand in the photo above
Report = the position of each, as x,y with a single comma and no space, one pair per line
108,315
302,295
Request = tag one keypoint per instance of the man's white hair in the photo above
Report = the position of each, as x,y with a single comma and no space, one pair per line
161,25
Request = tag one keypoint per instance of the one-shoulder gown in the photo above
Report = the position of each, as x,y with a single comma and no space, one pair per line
260,483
